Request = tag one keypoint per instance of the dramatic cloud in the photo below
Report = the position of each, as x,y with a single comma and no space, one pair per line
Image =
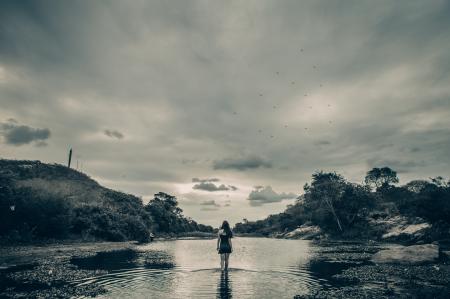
208,185
241,164
113,134
254,92
197,180
17,135
264,195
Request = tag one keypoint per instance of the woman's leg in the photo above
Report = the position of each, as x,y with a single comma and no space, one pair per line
222,261
227,256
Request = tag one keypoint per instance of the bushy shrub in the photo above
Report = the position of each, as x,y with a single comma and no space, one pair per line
42,217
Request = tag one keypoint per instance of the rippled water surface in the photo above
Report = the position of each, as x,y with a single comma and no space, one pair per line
259,268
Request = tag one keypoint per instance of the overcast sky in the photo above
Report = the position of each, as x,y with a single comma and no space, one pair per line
229,105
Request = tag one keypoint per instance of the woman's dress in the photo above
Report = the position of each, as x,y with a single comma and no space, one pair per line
225,246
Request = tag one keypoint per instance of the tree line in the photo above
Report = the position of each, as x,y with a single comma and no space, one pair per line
345,209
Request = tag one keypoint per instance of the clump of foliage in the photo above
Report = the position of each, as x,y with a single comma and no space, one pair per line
381,177
168,217
335,204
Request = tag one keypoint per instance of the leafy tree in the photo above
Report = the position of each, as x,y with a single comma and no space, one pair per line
431,201
325,190
417,186
381,178
440,181
168,217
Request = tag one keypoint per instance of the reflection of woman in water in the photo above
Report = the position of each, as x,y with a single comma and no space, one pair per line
224,246
224,287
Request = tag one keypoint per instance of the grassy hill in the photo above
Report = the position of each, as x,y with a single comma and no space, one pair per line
50,201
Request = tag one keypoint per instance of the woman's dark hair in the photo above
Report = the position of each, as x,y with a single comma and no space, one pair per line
226,227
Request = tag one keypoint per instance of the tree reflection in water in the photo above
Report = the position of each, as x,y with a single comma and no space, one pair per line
224,287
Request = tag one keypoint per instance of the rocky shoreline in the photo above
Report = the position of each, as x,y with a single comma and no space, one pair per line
354,271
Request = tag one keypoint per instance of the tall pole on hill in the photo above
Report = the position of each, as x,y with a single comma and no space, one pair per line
70,157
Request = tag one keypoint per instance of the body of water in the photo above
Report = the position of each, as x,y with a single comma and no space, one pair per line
259,268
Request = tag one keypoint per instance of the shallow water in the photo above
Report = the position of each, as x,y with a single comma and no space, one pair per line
259,268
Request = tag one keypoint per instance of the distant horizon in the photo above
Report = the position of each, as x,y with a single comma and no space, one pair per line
216,222
229,106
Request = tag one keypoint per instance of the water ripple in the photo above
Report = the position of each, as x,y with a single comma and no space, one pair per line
195,274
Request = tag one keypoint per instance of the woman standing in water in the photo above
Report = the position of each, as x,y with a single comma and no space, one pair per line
224,246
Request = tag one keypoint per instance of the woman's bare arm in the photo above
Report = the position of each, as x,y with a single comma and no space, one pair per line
231,245
218,242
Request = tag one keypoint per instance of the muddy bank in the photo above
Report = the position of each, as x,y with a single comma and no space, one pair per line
47,271
351,274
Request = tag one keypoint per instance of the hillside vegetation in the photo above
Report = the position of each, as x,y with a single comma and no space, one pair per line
377,209
50,201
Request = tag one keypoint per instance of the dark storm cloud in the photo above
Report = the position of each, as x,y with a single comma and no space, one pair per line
113,134
208,185
211,187
242,164
207,180
16,134
266,195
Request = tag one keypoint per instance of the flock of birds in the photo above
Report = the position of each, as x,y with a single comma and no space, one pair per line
260,131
